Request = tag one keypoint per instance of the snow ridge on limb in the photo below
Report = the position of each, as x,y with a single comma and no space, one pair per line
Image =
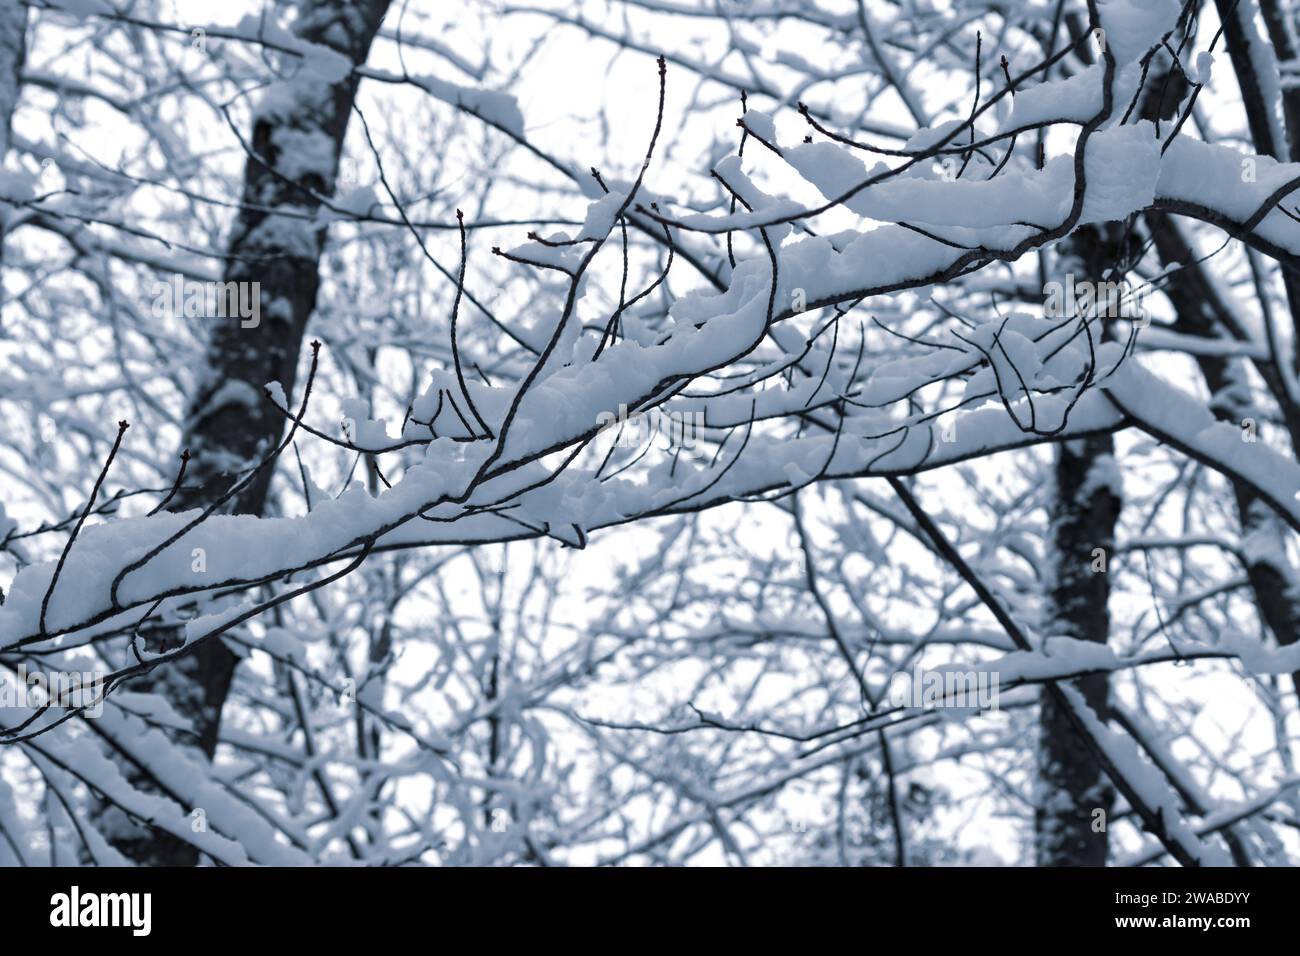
1156,800
1183,422
80,758
569,399
183,778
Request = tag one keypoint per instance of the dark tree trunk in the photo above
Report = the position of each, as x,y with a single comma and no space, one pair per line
13,53
1200,311
229,427
1072,787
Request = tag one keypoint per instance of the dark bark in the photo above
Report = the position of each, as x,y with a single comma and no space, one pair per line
1267,568
1235,16
229,428
1072,784
1284,50
1200,311
13,52
1239,33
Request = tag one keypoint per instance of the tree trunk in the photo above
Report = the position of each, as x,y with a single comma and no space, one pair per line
1072,788
1198,309
229,426
13,52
